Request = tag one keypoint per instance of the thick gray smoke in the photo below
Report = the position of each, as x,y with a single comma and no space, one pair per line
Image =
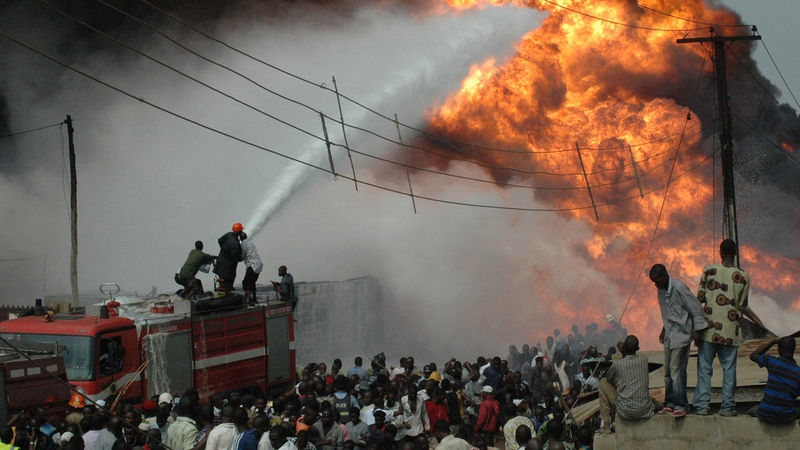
459,280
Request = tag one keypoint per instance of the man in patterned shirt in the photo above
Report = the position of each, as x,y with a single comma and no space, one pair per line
723,294
626,387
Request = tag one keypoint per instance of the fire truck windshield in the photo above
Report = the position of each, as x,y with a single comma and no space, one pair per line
76,351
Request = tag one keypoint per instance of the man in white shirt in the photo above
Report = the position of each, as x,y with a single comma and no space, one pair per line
221,436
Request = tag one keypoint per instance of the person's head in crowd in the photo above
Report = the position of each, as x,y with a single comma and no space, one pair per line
260,424
539,414
554,429
301,442
355,415
6,434
630,346
786,347
154,439
277,437
441,429
367,398
241,419
522,435
421,440
380,418
534,444
326,417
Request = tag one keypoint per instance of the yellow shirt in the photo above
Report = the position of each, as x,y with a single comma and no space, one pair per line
724,292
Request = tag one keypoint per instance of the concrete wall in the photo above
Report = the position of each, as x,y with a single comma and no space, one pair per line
338,319
700,432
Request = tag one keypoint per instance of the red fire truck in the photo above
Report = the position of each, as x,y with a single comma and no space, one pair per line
36,378
140,348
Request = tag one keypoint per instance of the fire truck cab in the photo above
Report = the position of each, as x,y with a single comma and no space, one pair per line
143,347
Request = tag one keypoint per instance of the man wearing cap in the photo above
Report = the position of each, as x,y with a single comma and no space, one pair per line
516,411
230,253
683,321
77,402
486,425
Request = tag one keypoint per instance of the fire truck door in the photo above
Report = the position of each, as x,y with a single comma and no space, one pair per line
169,362
278,348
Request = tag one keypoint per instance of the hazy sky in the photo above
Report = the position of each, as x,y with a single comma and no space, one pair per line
777,24
150,184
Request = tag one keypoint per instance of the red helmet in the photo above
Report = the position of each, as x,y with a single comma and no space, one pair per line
237,227
77,401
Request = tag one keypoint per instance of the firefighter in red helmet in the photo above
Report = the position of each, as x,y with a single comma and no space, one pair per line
230,253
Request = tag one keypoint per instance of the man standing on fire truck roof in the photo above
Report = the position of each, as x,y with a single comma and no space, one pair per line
254,265
285,287
230,253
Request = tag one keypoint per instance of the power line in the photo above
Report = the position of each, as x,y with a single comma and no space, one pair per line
339,94
780,73
32,130
274,152
180,72
614,22
699,22
237,100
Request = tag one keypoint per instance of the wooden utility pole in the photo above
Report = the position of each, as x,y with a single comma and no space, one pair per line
730,230
73,205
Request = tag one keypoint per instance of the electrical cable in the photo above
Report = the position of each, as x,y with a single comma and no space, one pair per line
779,72
180,72
276,153
646,256
117,41
613,22
349,99
19,133
699,22
491,167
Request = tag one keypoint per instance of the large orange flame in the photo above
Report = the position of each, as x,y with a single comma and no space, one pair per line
599,94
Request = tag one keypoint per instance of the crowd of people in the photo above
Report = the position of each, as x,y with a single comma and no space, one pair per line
516,402
537,397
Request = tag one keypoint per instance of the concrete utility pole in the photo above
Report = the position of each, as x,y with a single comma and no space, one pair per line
73,206
730,230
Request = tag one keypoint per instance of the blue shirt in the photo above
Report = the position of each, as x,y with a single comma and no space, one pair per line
783,386
245,441
681,312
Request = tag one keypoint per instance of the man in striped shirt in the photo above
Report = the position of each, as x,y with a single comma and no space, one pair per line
783,382
626,387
